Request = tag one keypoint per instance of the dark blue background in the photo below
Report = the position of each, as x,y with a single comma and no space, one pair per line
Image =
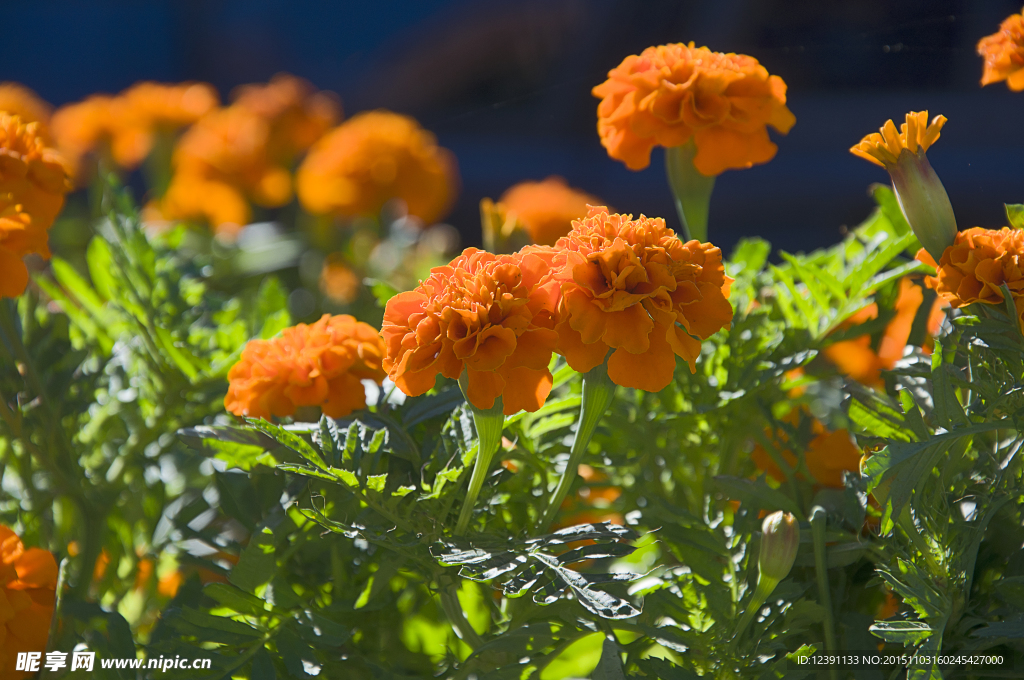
506,86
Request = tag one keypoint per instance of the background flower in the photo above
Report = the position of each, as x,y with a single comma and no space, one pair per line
375,157
670,94
975,267
28,582
827,456
33,182
546,209
18,100
488,315
633,287
320,364
1004,54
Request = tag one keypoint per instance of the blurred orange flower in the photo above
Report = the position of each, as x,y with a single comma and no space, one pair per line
18,100
633,287
372,158
338,281
671,94
491,316
28,584
129,122
33,182
1004,54
319,364
828,454
298,114
546,209
168,585
857,359
975,267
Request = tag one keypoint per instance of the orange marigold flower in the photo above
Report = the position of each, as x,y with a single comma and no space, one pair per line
827,456
1004,54
28,583
319,364
546,209
857,359
375,157
168,585
883,148
338,281
975,267
18,100
670,94
633,287
33,182
491,316
298,114
128,123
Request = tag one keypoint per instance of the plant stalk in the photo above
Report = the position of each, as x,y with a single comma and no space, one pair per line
598,391
817,520
489,424
453,610
691,189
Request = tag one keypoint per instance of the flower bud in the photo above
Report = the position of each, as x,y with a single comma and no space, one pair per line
780,538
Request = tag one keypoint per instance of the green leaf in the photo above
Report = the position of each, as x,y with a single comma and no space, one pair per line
610,665
906,632
257,564
288,439
1013,628
262,666
749,256
347,478
376,482
889,206
237,599
382,290
1015,215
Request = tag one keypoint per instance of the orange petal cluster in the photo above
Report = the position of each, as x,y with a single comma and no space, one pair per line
338,281
633,288
490,316
827,456
857,359
977,265
33,182
375,157
28,583
546,209
671,94
245,152
319,364
128,124
18,100
884,147
1004,54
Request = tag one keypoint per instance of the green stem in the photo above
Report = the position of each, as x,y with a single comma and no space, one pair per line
598,391
764,588
489,425
453,610
817,519
691,189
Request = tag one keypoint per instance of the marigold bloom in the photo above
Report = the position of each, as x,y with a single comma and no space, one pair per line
129,122
857,359
28,583
546,209
375,157
828,454
18,100
491,316
1004,54
920,193
975,267
338,281
298,114
319,364
33,182
670,94
633,287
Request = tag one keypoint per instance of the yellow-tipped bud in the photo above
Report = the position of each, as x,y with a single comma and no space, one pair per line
780,539
922,197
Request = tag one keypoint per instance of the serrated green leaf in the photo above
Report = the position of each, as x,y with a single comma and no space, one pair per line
376,482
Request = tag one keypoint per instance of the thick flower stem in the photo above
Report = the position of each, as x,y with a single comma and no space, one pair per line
489,424
764,588
817,519
598,391
691,189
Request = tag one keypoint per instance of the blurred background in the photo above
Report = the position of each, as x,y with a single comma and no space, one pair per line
505,85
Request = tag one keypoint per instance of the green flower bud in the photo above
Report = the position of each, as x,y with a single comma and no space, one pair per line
780,539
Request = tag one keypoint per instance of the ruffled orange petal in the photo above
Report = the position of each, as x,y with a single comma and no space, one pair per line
651,370
525,389
582,357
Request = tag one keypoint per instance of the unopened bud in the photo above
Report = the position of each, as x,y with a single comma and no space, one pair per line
780,539
924,202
